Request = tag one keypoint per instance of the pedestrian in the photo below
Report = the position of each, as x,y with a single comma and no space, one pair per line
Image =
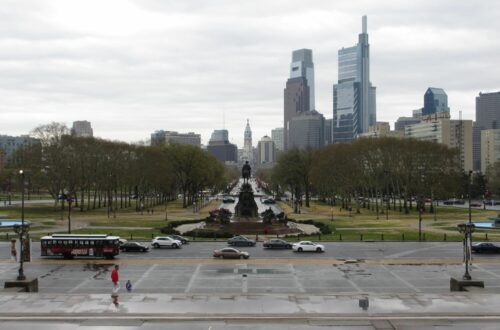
128,286
115,278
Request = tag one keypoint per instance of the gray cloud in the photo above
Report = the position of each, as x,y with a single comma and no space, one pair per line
131,67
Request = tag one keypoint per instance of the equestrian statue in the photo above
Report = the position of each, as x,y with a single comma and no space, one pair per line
246,172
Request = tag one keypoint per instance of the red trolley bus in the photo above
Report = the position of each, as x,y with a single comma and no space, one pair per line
74,245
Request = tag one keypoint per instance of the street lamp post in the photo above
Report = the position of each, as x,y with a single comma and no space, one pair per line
386,174
467,229
469,188
70,202
21,231
69,198
420,207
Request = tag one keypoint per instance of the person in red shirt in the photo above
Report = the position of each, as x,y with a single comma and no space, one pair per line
115,278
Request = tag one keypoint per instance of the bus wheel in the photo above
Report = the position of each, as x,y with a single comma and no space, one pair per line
109,256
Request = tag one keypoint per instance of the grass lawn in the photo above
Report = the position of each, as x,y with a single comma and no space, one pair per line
345,225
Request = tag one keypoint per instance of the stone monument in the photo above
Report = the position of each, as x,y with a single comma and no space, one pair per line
246,207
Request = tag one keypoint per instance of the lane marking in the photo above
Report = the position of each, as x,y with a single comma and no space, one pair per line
405,282
296,279
405,253
486,271
145,274
192,279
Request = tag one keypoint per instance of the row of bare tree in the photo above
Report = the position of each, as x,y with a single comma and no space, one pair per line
366,170
98,173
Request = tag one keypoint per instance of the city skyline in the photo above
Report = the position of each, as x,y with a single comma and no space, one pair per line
122,66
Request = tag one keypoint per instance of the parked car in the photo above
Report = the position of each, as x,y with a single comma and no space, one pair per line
277,244
485,247
228,200
230,252
476,204
134,247
241,240
159,242
304,246
122,241
269,201
180,238
490,202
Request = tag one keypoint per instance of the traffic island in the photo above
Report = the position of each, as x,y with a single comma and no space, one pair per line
462,285
27,285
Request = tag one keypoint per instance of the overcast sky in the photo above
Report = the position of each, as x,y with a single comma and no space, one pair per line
133,67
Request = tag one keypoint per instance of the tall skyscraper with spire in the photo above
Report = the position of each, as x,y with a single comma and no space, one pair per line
354,97
299,90
247,146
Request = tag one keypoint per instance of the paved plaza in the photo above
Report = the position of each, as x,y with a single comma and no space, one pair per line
235,277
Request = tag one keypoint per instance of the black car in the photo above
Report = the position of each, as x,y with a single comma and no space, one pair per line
180,238
241,240
269,201
228,200
277,244
485,247
134,247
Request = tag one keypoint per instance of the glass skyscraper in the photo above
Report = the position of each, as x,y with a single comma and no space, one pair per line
302,66
435,100
354,97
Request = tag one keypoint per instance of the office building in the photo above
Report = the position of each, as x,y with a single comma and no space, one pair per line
221,148
354,97
302,66
162,137
266,151
487,117
82,128
277,136
299,90
490,148
381,129
10,144
452,133
296,101
328,131
435,101
402,122
307,131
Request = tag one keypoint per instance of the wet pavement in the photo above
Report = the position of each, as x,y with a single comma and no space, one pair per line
238,277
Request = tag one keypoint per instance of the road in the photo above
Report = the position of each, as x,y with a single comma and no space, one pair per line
371,267
334,251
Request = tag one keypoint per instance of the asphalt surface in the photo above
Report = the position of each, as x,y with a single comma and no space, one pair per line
333,250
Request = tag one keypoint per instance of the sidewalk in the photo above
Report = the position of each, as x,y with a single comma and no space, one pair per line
458,306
